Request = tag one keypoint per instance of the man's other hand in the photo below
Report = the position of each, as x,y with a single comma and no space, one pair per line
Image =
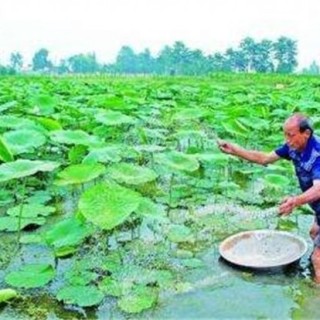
226,147
287,205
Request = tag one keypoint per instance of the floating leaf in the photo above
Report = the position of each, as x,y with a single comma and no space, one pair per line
31,210
104,155
178,161
8,105
67,234
14,122
141,298
74,137
148,208
7,294
24,140
131,174
113,118
83,296
42,104
31,276
12,223
49,124
110,287
79,173
108,205
22,168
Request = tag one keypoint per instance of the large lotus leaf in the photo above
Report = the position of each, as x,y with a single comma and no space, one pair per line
12,223
79,173
141,298
67,233
104,155
110,287
108,205
23,168
113,118
8,105
5,153
190,114
74,137
7,294
49,124
42,104
214,158
178,161
83,296
148,208
131,174
24,140
31,210
14,122
31,276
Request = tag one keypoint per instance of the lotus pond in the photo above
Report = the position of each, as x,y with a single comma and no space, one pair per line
114,197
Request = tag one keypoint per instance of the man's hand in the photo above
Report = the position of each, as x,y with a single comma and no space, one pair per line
226,147
287,205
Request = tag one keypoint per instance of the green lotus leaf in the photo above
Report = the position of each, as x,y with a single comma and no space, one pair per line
5,152
49,124
32,210
107,205
23,168
67,233
188,114
178,161
7,294
80,277
215,158
12,223
42,104
74,137
141,298
79,173
14,122
24,140
83,296
131,174
113,118
8,105
104,155
31,276
180,233
110,287
148,208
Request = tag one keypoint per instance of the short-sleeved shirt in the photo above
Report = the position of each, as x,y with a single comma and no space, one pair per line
307,166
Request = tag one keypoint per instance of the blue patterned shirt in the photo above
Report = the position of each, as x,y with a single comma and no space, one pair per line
307,166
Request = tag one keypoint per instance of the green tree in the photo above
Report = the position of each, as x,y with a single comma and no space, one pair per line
83,63
127,60
313,69
285,52
40,61
16,61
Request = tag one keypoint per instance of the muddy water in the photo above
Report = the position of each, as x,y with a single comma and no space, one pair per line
217,290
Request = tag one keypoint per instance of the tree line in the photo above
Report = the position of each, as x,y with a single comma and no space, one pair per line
265,56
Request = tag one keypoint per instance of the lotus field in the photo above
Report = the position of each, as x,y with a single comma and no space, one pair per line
114,196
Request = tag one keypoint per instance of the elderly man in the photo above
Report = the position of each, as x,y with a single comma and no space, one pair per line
302,147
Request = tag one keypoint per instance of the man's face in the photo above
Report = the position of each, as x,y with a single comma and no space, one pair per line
296,140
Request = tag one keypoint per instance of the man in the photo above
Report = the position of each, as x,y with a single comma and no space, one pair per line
302,147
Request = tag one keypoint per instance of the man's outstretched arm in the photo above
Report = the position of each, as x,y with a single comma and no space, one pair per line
250,155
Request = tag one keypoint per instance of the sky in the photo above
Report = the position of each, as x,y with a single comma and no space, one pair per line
67,27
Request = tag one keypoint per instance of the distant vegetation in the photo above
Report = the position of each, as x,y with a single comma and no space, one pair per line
266,56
